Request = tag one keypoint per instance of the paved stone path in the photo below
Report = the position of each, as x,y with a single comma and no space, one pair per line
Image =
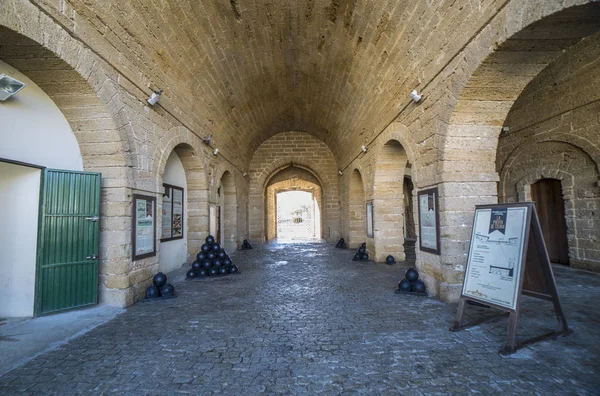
306,319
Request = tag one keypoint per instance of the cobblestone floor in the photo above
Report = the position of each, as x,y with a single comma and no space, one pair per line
306,319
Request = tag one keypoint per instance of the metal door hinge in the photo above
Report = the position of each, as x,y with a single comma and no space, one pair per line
94,218
92,257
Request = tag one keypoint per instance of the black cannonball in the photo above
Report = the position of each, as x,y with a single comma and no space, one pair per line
246,242
404,285
223,271
152,292
233,269
211,256
202,273
216,248
227,262
357,256
221,255
418,286
365,256
191,274
412,274
362,250
200,257
390,259
213,272
342,240
159,279
364,245
207,264
167,290
196,266
205,248
217,263
210,240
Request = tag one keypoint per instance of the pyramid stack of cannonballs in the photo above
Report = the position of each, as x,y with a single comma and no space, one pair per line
246,245
411,283
212,260
341,244
361,254
159,287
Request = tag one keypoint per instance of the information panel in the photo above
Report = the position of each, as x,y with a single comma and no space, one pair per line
144,231
496,255
429,227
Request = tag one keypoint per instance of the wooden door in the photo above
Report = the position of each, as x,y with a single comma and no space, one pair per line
547,194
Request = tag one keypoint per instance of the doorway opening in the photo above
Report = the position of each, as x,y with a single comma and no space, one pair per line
550,205
298,216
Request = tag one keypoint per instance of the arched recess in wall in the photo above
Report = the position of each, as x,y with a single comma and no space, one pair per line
84,135
196,193
389,202
292,178
228,212
493,80
357,226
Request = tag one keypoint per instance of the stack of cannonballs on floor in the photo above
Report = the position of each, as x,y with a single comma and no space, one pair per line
212,260
159,287
341,244
246,245
411,283
361,254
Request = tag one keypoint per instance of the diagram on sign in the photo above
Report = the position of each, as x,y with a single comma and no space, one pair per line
495,255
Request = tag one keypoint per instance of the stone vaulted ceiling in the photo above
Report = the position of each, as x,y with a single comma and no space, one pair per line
245,70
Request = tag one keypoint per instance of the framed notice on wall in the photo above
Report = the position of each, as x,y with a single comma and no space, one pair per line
496,255
429,221
143,236
172,213
370,227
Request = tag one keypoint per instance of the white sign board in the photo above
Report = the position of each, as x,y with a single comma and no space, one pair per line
496,254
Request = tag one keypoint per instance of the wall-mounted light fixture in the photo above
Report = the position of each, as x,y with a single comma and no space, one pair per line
206,139
505,130
244,174
9,86
363,148
155,97
216,151
340,173
414,95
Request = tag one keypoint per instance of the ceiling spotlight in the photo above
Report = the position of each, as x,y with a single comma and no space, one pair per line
216,151
414,95
9,86
340,173
152,100
363,148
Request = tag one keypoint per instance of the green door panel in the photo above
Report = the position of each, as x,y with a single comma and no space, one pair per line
68,231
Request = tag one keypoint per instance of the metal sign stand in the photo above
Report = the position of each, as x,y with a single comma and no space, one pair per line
537,281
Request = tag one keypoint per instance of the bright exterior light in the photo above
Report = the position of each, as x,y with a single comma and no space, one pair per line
9,86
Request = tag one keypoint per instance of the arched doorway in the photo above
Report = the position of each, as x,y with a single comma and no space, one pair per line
389,202
293,207
357,227
550,206
228,212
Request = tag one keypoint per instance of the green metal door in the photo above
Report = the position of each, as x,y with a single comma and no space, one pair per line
67,254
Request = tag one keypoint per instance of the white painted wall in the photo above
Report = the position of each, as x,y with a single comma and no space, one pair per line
34,130
173,253
19,200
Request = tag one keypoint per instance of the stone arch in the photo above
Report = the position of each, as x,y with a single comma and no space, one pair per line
76,80
357,227
302,150
303,183
517,44
182,142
